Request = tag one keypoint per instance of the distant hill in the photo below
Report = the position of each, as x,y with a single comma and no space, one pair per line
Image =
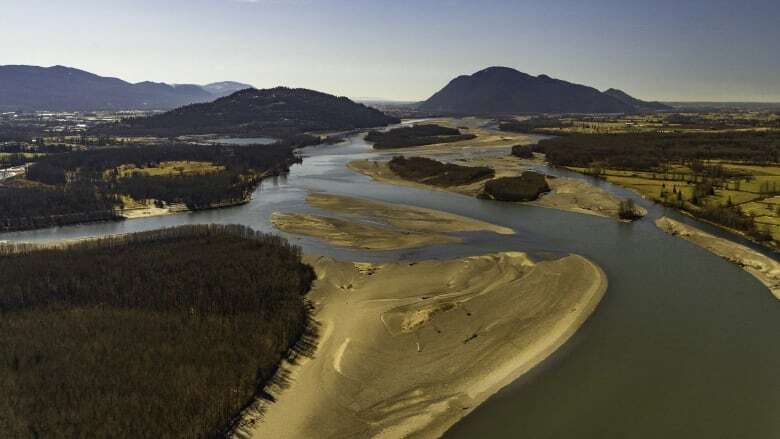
58,88
501,90
276,112
637,103
221,89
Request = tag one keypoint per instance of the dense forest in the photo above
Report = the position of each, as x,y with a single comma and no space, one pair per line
649,151
530,125
429,171
279,112
82,186
169,333
526,187
416,135
26,206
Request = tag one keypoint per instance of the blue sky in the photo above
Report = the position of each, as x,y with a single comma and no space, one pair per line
671,50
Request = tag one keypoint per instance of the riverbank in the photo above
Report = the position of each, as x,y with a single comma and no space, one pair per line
376,226
148,209
566,194
459,330
764,268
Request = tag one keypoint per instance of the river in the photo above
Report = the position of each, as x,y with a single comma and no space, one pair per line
682,346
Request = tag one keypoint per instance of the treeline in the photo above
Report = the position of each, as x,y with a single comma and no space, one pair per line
432,172
167,333
196,191
20,153
416,135
727,215
82,186
649,151
18,133
40,147
94,162
30,206
655,152
531,125
526,187
14,159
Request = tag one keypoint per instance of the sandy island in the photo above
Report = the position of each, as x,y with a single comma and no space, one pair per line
764,268
566,194
373,225
408,349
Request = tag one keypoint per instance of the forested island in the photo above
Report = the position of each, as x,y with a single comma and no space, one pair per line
96,184
433,172
168,333
278,112
416,135
526,187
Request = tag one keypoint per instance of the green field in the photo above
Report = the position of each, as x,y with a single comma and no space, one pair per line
756,192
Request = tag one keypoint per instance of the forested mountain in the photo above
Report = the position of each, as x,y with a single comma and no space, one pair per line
58,88
276,112
637,103
501,90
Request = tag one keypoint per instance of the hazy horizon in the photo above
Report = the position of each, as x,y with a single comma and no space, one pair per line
406,51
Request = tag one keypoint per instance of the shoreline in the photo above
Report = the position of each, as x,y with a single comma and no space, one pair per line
769,245
567,330
762,267
151,211
378,226
462,328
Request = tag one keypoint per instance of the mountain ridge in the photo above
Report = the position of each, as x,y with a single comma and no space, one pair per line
640,104
61,88
504,90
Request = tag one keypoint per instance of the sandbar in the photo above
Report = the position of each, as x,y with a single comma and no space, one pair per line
567,194
409,348
374,225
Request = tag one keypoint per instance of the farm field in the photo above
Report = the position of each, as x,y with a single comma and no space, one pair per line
755,191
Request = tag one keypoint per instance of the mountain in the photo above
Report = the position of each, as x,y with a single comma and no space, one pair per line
276,112
636,103
501,90
225,88
58,88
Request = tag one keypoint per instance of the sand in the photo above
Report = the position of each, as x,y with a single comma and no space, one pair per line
566,194
408,349
373,225
579,196
352,234
764,268
148,209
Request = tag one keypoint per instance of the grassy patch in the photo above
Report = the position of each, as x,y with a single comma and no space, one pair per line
171,168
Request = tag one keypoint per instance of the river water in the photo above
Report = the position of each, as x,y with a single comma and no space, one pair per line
683,345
